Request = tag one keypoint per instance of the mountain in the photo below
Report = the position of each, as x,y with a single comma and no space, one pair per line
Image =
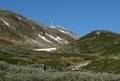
25,42
99,41
19,31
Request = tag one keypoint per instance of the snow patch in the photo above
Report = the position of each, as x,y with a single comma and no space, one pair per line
63,31
35,41
58,39
6,23
52,27
98,33
19,18
45,49
69,33
44,38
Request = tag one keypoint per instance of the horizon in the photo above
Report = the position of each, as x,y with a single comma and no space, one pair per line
79,16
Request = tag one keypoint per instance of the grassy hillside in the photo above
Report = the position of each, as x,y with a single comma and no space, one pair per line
100,41
103,45
105,65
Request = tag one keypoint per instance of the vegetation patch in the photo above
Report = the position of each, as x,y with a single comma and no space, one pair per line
104,65
29,73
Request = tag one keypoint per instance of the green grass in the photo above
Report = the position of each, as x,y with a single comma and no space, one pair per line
105,43
56,64
28,73
105,65
58,61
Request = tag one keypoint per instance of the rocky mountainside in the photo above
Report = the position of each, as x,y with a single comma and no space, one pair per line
19,31
99,41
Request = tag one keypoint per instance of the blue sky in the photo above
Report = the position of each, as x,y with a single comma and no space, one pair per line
80,16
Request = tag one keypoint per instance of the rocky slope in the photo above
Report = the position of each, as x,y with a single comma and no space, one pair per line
19,31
